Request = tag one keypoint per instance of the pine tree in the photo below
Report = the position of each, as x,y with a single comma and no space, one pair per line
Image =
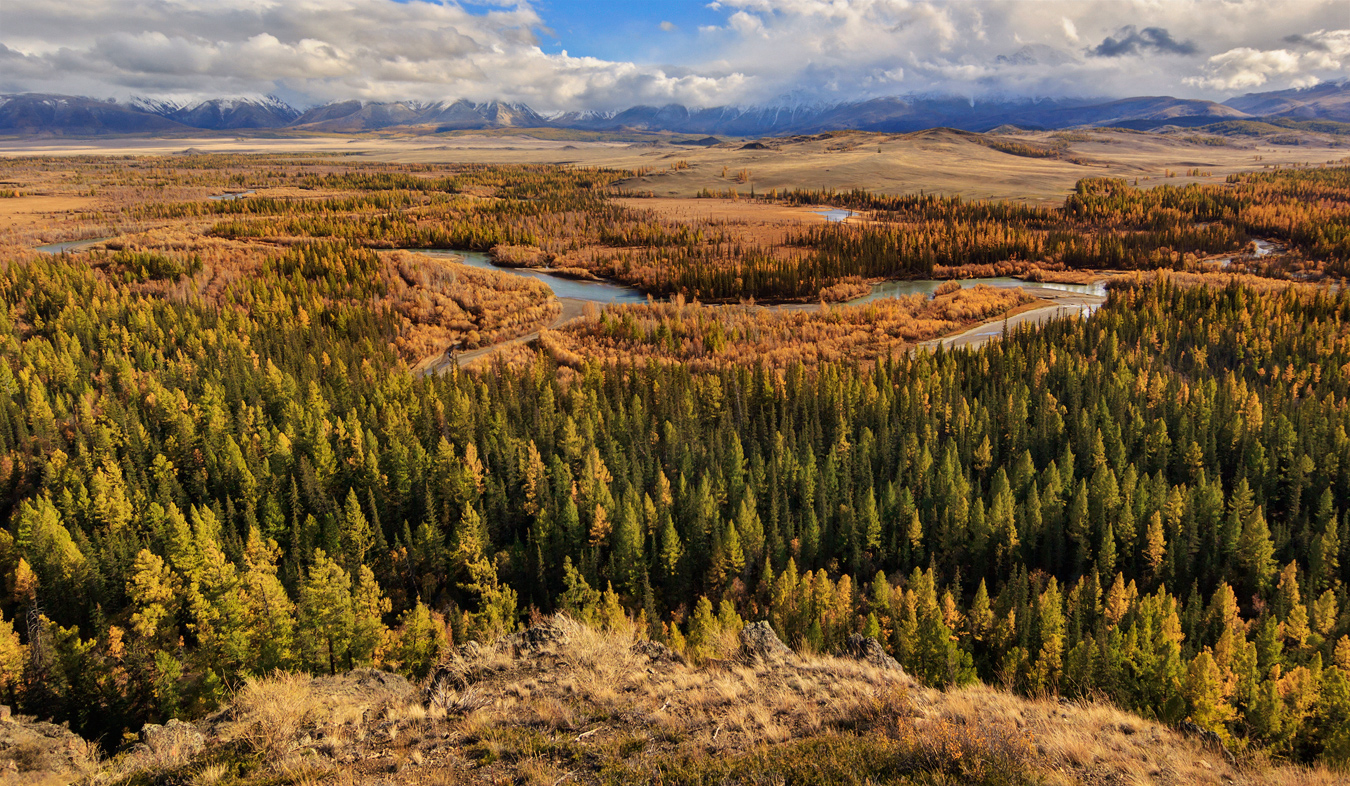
578,600
672,552
152,594
1155,549
421,639
326,614
629,566
871,521
369,605
1256,551
496,615
12,657
1079,524
1050,653
935,658
271,614
219,616
701,641
1205,700
356,534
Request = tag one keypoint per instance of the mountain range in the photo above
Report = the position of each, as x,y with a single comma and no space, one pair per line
33,113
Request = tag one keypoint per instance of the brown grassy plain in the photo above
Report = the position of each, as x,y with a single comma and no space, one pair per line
938,160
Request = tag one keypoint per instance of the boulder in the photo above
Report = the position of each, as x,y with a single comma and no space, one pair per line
869,650
759,642
656,652
533,640
38,752
174,741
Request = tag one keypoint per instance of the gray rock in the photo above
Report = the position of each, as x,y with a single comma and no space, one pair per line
869,650
533,640
656,652
758,641
174,739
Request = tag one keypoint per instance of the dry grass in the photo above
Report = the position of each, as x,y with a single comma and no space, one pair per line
277,710
934,161
27,212
592,708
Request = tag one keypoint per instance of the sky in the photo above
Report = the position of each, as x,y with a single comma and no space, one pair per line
603,55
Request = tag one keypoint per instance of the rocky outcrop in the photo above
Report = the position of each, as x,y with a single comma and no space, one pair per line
175,740
466,666
869,650
759,642
37,752
656,652
373,686
533,640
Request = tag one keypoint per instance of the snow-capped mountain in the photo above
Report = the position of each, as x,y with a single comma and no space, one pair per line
36,113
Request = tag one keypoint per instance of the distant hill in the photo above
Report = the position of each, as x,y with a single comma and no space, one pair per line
1324,102
28,114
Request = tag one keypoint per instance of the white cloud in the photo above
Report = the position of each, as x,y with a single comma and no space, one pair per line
1245,68
1070,29
761,51
323,50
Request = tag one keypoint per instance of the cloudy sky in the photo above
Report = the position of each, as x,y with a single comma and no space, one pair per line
605,54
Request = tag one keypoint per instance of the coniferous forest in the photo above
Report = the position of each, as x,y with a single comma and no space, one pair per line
216,461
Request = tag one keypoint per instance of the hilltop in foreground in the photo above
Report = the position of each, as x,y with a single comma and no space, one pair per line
563,702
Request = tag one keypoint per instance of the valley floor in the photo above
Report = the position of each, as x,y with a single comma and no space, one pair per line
936,161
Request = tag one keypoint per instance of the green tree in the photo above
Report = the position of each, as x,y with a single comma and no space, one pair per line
421,639
326,614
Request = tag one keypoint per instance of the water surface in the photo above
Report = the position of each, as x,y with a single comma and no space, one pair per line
594,291
70,245
927,287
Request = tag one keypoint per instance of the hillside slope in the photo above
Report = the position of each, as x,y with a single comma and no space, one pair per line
1329,101
562,702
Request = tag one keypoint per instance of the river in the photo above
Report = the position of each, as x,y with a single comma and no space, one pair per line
604,292
70,245
593,291
927,287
